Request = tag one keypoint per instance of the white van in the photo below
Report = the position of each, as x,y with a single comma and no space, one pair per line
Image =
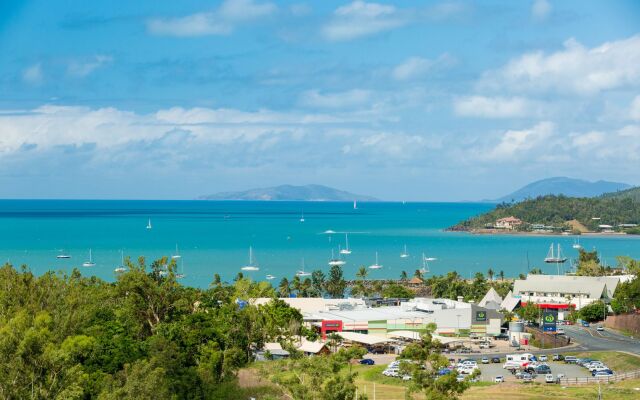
518,360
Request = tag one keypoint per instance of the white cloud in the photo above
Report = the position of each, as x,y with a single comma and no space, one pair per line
587,140
540,9
83,68
33,74
348,99
517,144
495,107
634,111
418,67
576,69
359,19
219,22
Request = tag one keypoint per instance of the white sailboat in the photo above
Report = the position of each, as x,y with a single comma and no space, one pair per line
336,261
89,263
63,255
177,254
252,266
346,250
576,244
355,204
430,258
181,274
270,277
302,272
376,265
121,268
149,224
404,253
425,265
302,217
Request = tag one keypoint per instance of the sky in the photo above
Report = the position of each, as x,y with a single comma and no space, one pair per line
411,100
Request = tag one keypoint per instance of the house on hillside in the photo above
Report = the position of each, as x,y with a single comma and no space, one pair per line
510,223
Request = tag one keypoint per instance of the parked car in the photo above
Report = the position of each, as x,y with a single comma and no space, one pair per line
557,357
460,378
496,360
498,379
444,371
606,372
560,376
406,377
542,358
599,368
527,378
367,361
560,331
548,378
585,324
485,360
600,328
570,359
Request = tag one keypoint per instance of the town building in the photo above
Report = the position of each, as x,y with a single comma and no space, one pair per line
510,223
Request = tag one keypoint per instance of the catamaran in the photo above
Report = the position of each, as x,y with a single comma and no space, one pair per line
177,255
121,268
149,224
404,253
554,258
576,244
376,265
346,250
89,263
252,266
336,261
302,272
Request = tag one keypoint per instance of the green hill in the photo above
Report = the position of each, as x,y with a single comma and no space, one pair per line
612,209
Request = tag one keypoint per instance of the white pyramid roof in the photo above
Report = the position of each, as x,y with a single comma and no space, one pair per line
491,296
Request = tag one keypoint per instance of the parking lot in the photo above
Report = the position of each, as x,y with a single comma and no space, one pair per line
490,371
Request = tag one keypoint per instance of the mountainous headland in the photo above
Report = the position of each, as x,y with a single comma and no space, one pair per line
569,187
611,213
290,193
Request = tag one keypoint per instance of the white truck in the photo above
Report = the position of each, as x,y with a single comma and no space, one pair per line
518,360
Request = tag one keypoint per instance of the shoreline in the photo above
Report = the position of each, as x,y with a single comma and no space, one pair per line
543,234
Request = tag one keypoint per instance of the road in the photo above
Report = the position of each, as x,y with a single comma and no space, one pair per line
591,339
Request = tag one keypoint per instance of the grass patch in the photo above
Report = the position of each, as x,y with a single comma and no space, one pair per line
373,373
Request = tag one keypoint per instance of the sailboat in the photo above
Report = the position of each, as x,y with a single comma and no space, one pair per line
430,258
302,217
177,255
355,204
251,266
346,250
149,224
404,253
554,258
336,261
376,265
121,268
89,263
181,275
302,272
576,244
63,255
425,265
270,277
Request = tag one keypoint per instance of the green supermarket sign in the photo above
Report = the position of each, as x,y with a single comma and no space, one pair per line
481,316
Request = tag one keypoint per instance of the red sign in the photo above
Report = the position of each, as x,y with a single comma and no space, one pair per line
329,326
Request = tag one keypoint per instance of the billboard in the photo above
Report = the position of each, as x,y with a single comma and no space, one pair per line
481,315
549,320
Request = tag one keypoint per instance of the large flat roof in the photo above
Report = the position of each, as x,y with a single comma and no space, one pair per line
594,286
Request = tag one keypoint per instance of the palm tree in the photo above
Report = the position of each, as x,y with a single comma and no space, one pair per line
283,288
404,276
490,274
501,275
296,284
362,273
418,274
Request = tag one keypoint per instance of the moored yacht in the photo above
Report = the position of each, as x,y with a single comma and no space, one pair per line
252,266
89,263
375,265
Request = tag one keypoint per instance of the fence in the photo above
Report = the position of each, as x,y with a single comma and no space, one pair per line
547,340
601,379
626,322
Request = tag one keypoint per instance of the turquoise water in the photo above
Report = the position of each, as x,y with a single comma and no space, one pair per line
214,237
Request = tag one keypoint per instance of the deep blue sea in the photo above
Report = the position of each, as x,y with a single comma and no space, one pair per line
214,237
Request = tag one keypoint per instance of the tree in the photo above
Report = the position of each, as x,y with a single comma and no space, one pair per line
284,289
362,273
593,312
530,312
403,276
490,274
317,283
501,274
397,291
335,284
418,274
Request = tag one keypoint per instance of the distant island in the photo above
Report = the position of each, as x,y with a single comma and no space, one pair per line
290,193
560,185
610,213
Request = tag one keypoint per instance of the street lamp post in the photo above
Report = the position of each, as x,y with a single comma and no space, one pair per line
458,330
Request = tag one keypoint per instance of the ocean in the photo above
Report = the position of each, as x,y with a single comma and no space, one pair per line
214,237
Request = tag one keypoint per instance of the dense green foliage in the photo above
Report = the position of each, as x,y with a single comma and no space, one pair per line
144,336
558,210
453,285
632,193
592,312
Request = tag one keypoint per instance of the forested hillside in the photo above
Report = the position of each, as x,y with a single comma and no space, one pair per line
633,193
558,210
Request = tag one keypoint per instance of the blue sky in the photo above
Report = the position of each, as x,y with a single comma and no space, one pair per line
412,100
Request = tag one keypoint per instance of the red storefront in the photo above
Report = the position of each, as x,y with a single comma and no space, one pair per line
329,326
